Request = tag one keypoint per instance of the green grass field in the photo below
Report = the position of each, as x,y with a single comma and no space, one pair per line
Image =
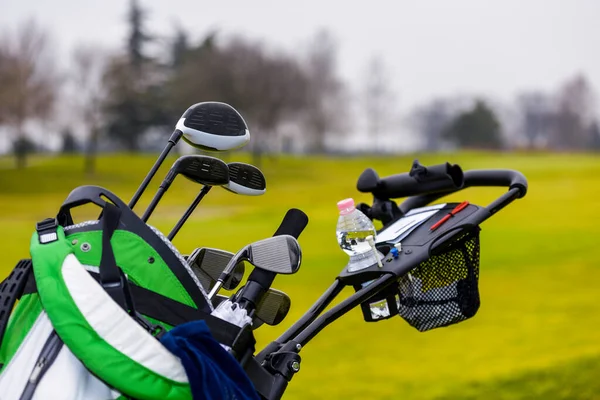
537,334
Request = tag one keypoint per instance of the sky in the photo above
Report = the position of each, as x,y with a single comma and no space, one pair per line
495,48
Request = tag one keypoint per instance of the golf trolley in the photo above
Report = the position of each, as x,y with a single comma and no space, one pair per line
428,271
429,277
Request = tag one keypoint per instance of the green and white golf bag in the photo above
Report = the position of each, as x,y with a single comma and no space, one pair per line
90,305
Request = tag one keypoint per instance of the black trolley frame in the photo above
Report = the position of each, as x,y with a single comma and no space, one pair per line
273,368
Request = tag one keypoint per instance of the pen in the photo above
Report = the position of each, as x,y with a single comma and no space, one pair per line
452,213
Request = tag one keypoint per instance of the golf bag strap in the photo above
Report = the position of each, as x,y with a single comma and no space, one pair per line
172,312
11,290
112,279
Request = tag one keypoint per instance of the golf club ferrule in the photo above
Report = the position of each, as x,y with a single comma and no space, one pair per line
175,136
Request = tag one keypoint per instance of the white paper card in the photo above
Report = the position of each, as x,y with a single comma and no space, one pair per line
405,225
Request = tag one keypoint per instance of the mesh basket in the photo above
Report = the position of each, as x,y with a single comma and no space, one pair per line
444,289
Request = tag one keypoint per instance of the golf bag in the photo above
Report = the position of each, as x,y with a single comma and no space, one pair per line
97,302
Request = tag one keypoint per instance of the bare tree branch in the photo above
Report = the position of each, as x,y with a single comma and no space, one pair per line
28,79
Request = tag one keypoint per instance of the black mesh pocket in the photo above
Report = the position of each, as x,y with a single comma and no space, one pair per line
444,289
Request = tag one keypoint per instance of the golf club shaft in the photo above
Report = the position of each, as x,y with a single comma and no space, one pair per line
175,136
159,194
189,211
216,287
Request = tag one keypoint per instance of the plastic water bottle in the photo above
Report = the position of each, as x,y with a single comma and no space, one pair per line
353,229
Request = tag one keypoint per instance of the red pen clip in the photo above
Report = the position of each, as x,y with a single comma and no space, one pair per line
451,214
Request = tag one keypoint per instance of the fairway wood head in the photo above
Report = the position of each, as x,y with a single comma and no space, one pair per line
208,264
272,308
202,169
245,179
278,254
213,126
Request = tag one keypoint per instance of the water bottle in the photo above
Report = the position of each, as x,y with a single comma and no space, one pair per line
353,229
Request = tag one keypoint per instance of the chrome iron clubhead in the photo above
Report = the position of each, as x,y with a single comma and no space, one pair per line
278,254
208,264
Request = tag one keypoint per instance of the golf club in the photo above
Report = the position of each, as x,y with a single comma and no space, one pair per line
213,126
260,280
206,170
209,263
244,179
277,254
209,126
271,310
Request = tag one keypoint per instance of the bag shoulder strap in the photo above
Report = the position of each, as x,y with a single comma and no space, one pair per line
173,313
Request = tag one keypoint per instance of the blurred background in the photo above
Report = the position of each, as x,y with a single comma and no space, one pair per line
90,92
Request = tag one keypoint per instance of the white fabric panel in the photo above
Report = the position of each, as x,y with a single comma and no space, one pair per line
68,379
115,326
16,374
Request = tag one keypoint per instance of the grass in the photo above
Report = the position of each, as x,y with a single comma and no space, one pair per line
535,336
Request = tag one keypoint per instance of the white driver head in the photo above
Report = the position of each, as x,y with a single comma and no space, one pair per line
213,126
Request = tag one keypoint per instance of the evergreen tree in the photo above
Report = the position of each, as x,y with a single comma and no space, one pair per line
477,128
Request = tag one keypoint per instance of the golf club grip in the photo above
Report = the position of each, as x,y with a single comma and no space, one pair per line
293,224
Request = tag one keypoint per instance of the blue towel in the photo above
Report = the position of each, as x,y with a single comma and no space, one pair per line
213,373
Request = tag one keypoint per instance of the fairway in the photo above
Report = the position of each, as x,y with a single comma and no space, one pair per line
537,333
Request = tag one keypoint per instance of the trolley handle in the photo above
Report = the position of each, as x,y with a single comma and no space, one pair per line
514,180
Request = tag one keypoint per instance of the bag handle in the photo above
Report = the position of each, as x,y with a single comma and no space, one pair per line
85,195
131,222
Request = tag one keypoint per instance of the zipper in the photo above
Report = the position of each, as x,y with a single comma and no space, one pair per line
45,360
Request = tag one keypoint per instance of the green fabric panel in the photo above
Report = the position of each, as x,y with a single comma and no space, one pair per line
110,365
23,317
132,254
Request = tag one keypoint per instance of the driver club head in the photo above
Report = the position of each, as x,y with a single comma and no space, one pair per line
209,263
245,179
205,170
213,126
279,254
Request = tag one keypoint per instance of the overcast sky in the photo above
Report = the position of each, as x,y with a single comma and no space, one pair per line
432,48
494,48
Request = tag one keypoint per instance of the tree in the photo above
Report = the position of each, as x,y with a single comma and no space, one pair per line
575,111
268,88
28,82
431,120
477,128
326,109
134,81
378,98
89,64
179,49
536,115
69,143
594,133
137,36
